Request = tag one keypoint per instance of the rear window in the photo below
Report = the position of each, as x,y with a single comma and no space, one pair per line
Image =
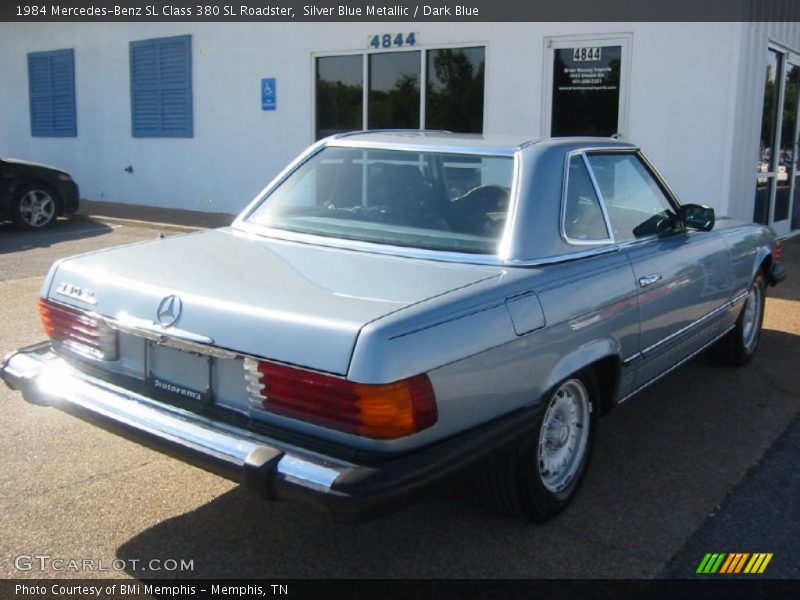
435,201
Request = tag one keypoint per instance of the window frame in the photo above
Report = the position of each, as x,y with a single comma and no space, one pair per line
189,131
575,154
669,194
423,49
51,132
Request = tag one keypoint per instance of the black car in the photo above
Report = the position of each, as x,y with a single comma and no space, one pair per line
33,195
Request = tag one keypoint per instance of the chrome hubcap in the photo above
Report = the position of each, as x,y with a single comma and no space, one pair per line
37,208
564,435
751,317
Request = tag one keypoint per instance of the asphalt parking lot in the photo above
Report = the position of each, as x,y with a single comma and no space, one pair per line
664,462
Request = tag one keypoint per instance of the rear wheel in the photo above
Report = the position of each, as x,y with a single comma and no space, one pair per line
540,477
34,207
738,346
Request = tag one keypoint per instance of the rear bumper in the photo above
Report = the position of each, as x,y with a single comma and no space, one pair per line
270,468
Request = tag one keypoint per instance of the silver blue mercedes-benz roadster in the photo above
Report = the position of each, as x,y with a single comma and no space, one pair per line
396,307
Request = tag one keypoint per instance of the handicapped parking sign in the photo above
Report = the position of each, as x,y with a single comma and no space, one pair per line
268,94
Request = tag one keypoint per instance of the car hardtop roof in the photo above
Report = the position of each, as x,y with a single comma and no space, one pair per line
445,141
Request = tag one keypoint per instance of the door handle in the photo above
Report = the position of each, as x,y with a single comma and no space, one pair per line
649,279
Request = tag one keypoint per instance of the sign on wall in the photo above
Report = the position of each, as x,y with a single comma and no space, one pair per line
586,91
268,94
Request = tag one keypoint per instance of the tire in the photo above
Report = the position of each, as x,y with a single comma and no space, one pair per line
738,346
35,207
542,475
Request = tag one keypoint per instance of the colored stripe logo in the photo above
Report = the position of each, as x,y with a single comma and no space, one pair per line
733,563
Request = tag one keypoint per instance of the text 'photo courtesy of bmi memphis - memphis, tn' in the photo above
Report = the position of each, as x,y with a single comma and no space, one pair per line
432,299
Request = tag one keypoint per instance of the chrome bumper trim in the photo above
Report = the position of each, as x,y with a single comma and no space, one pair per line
46,379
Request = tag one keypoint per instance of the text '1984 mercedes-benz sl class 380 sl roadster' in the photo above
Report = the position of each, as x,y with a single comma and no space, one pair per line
397,306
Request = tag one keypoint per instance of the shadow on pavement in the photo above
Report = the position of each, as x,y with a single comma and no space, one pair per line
74,228
662,462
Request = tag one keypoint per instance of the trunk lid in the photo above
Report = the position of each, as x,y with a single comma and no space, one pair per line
292,302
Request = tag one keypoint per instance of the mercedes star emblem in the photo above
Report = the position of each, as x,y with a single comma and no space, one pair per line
169,310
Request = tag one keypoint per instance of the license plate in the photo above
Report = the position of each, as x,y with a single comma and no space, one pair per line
178,374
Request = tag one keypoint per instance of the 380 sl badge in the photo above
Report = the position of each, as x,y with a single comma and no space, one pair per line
73,291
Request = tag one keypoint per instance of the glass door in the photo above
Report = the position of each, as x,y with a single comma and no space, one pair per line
777,200
787,159
766,171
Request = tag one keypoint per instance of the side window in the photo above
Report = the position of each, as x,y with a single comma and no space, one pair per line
583,217
636,205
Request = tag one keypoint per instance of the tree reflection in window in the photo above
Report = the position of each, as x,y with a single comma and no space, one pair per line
340,91
394,79
455,89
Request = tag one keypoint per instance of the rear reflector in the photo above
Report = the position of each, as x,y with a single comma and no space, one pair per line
777,251
78,330
385,411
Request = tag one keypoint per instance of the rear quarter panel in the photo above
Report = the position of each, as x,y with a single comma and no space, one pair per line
480,367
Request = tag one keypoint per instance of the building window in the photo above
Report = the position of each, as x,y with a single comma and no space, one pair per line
340,94
51,90
396,94
454,98
161,87
394,90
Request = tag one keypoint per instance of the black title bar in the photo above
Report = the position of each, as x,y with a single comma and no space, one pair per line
399,10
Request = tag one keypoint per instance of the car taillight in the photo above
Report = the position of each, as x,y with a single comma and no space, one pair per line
777,251
384,411
79,331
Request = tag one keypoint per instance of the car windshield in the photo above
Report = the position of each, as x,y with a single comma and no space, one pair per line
435,201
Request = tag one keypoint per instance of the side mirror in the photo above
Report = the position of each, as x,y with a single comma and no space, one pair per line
696,216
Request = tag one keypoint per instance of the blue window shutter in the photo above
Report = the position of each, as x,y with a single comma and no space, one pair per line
51,90
161,87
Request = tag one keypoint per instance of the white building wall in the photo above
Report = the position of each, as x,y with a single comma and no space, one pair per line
682,101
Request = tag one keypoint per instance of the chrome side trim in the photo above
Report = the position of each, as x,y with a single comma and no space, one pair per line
694,324
562,258
676,365
720,309
739,298
631,358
